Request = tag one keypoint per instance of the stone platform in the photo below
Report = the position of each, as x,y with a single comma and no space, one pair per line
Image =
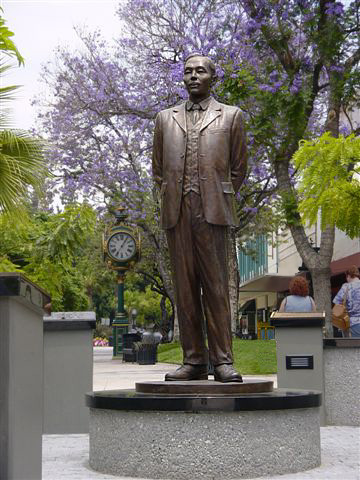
203,435
200,387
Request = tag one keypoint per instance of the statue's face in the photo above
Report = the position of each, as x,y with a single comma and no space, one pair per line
197,77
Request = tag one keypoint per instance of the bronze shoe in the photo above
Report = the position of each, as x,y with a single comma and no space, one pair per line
188,372
226,373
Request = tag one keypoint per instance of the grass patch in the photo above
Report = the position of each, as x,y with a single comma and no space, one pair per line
170,353
251,357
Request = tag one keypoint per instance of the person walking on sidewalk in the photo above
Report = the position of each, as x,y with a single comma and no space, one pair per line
351,290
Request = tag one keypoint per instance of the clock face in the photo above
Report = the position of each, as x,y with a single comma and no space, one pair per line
121,246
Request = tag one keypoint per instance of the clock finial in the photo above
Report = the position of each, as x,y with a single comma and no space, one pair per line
120,214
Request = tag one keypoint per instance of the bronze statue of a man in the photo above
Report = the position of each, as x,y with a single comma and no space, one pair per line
199,163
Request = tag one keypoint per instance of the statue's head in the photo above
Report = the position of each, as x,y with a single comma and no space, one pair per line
199,75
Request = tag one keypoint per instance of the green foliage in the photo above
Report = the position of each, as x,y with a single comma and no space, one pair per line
22,165
47,247
102,331
288,206
22,157
263,106
147,304
251,357
7,265
6,44
329,170
66,233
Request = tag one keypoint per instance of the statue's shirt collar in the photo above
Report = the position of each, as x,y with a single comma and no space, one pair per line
203,104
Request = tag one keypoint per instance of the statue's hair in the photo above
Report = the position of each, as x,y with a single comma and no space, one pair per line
211,64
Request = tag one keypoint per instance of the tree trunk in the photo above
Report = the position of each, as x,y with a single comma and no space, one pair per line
318,263
322,295
161,258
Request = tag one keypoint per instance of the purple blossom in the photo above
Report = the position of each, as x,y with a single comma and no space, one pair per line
100,116
253,210
334,8
274,75
296,84
337,68
344,129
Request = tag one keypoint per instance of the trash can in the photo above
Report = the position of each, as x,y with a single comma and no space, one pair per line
146,353
129,352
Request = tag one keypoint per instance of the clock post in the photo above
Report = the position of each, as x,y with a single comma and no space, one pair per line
121,246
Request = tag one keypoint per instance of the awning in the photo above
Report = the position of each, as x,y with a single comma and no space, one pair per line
340,266
246,304
267,283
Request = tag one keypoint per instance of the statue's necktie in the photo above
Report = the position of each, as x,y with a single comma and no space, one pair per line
195,113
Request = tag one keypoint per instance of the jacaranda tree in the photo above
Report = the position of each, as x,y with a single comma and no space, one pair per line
290,66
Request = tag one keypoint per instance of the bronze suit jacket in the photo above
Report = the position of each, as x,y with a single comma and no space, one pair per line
222,161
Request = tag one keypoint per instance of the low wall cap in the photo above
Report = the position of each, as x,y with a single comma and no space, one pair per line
59,321
297,319
71,316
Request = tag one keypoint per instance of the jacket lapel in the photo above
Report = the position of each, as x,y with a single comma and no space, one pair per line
179,116
213,111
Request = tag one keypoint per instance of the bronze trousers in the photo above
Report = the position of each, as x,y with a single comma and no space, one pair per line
198,254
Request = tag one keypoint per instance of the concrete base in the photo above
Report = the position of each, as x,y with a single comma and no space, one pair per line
208,445
342,381
209,437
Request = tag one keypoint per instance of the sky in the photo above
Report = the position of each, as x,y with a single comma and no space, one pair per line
39,27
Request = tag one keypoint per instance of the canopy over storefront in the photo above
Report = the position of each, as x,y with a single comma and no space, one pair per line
267,283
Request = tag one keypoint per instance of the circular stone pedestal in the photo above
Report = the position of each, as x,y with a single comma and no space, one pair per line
203,387
203,436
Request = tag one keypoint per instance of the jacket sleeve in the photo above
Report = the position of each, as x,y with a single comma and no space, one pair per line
157,154
238,161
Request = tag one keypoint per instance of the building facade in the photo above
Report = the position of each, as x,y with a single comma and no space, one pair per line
266,266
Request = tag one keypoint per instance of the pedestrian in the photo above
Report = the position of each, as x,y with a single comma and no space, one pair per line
299,299
351,291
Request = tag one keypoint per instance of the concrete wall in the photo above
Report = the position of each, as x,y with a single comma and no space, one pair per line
68,371
345,246
342,381
21,389
289,260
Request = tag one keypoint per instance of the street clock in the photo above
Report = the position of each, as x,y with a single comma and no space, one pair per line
121,248
121,244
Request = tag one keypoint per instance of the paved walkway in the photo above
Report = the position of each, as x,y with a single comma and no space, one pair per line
65,457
